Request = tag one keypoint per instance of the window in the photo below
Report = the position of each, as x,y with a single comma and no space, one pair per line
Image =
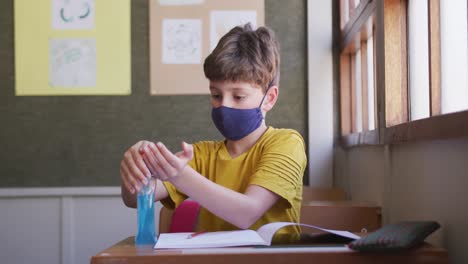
403,70
453,54
418,59
357,71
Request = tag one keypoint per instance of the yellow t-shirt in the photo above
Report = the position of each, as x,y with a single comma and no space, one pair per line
276,162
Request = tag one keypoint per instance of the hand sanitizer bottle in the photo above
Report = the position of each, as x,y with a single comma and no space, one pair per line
145,207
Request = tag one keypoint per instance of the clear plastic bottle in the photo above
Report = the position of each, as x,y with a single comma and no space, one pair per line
145,207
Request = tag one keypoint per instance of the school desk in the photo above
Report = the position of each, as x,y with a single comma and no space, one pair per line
125,252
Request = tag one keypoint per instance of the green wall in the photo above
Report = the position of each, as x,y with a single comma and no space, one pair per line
79,140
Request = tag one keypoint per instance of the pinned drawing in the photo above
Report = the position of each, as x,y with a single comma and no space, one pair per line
73,14
181,41
180,2
72,62
222,21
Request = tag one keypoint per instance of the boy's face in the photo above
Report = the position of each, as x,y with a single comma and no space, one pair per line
240,95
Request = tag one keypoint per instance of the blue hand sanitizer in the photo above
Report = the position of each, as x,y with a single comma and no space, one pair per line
145,207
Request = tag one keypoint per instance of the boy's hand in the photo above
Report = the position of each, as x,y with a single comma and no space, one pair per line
133,171
163,163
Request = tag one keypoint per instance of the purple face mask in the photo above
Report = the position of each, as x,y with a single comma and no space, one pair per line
235,123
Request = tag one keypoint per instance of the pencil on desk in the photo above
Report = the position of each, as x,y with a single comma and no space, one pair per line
195,234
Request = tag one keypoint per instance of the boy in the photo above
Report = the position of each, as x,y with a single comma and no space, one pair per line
251,178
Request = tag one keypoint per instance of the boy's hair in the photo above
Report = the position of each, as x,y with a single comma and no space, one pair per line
245,55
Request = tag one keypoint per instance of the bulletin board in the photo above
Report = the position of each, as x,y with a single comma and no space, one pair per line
77,141
184,32
67,47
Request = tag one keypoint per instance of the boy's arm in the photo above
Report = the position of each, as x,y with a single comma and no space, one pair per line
239,209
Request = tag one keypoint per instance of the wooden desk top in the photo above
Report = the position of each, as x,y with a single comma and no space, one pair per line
125,251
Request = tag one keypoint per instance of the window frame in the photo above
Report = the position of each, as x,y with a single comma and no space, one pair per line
393,125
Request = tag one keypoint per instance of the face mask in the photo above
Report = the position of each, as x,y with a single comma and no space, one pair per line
235,123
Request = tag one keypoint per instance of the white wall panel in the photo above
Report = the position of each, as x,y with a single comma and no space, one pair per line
62,225
320,92
30,230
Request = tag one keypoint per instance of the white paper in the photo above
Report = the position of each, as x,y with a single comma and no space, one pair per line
73,14
268,231
209,240
180,2
72,62
223,21
256,250
181,41
263,236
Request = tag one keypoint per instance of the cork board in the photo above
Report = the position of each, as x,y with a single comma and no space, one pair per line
182,35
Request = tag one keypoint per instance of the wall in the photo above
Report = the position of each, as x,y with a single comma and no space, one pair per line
62,225
79,140
413,181
320,93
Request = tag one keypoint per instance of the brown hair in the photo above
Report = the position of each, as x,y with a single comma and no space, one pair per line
245,55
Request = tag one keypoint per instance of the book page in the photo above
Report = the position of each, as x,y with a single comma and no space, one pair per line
210,239
267,231
262,236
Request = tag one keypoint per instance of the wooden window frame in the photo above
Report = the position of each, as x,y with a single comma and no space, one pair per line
434,56
351,39
392,124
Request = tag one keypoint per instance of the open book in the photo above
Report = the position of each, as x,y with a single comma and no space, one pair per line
262,236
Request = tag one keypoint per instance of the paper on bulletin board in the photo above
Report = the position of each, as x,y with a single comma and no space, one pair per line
76,14
181,41
72,62
180,2
176,66
222,21
75,47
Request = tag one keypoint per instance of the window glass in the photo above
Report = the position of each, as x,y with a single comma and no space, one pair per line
358,78
370,83
453,55
418,59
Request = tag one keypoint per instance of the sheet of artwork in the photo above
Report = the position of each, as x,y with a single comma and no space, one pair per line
181,41
72,14
72,62
180,2
222,21
72,47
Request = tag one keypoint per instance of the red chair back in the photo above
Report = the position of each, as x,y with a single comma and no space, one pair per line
184,218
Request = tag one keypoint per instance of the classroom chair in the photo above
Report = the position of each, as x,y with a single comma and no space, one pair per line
182,219
357,217
322,194
330,208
